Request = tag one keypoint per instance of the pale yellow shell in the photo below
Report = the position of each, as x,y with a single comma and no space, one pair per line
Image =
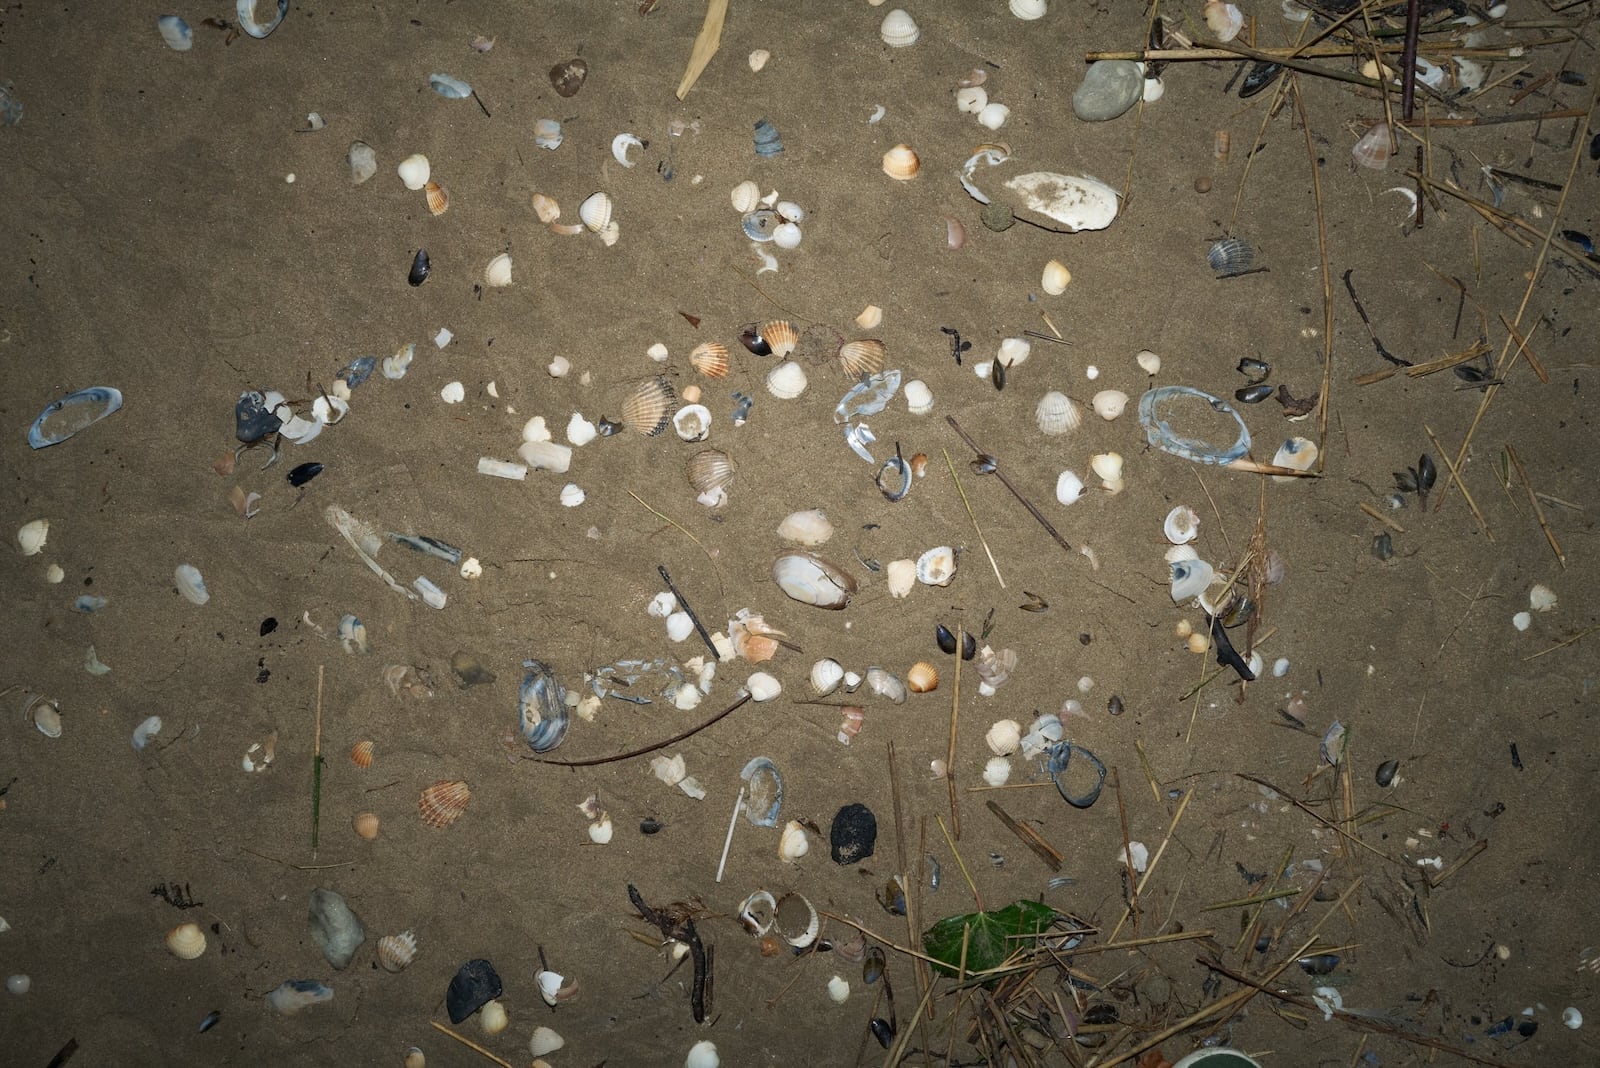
546,208
438,198
922,678
186,941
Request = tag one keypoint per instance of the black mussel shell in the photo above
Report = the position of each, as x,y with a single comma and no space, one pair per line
1319,964
1594,147
650,825
1578,237
750,337
1405,481
872,965
1383,546
882,1031
1258,78
608,427
251,419
474,986
304,473
854,834
419,268
969,646
210,1020
1253,394
946,640
1386,772
1468,373
567,77
893,897
1115,705
1427,474
1253,369
895,478
997,374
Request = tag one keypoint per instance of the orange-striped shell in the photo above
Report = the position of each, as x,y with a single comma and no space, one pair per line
649,409
361,753
710,358
438,198
710,470
781,336
864,357
442,803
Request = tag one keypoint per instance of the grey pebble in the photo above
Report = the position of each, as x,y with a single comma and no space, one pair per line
1110,87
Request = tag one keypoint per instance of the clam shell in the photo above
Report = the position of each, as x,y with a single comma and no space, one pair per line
937,566
442,803
787,380
437,196
497,274
32,535
1109,403
397,951
793,844
971,99
826,674
886,684
542,708
190,583
1182,525
919,398
780,336
761,224
175,32
863,357
186,941
692,422
566,78
809,528
649,409
1028,10
361,753
901,163
1190,579
76,411
1231,257
711,470
546,208
547,134
745,196
1298,454
363,162
1056,278
414,171
899,29
812,580
1077,202
595,211
1106,465
1057,413
710,358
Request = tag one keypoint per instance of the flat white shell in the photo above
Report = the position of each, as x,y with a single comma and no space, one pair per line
190,584
1182,525
808,528
1076,201
937,566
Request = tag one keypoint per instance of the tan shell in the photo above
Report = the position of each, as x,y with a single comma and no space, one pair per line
361,753
901,163
397,951
366,825
864,357
442,803
546,208
438,198
711,470
710,358
649,409
922,678
186,941
781,336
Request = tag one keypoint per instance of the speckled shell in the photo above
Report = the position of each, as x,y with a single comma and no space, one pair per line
442,803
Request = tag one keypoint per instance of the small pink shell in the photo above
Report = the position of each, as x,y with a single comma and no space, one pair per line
955,235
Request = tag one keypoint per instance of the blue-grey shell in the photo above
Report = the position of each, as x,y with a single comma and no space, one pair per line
449,87
542,708
76,411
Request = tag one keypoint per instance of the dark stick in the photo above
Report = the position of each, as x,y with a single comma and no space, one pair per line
699,626
647,749
1006,482
1385,353
1408,58
683,932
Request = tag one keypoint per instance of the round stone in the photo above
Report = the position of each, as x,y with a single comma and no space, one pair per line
1110,87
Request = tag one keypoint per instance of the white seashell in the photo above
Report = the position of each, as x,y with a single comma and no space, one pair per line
498,274
809,528
899,29
901,576
679,626
396,952
703,1054
1179,553
1004,737
363,162
146,731
1295,12
1109,403
787,380
1297,454
595,211
1056,278
1107,466
396,366
414,171
1375,147
746,195
329,409
657,352
826,674
1069,487
993,116
1223,19
662,605
580,431
838,990
544,1041
1028,10
190,584
559,367
759,59
1057,413
453,393
1154,89
919,398
763,687
32,536
620,145
692,422
572,495
1542,598
1190,579
886,684
793,844
787,235
1014,352
871,317
1148,362
546,456
546,208
789,211
937,566
997,772
471,568
610,233
549,984
1077,201
1182,525
1522,620
432,595
972,99
54,574
186,941
535,429
547,134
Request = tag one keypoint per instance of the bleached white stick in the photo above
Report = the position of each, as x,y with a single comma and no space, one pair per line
727,842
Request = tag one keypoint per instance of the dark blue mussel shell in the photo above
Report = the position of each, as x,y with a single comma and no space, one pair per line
542,707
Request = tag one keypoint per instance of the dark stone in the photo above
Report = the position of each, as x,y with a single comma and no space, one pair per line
853,835
475,985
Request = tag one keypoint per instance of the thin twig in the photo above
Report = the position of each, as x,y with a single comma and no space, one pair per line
968,506
1461,484
1562,645
1324,400
467,1042
1538,509
955,715
743,698
316,769
683,604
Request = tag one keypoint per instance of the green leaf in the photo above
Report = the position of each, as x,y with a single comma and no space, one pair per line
995,935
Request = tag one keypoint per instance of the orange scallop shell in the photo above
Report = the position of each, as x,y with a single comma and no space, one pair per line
361,753
442,803
438,198
710,358
781,336
864,357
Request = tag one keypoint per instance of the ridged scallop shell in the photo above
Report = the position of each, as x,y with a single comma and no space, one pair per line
649,409
1028,10
442,803
787,380
710,358
361,753
186,941
711,470
781,336
864,357
1057,413
397,951
438,197
899,29
595,211
745,196
812,580
901,163
922,678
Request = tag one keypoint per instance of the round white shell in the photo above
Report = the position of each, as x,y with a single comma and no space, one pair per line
1057,413
1014,352
763,687
497,274
1182,525
899,29
544,1041
1148,362
809,528
787,235
580,431
679,626
919,398
838,990
826,674
414,171
993,116
787,380
972,99
1004,737
595,211
1109,403
1069,487
692,422
997,772
746,195
937,566
901,576
572,495
703,1054
190,584
32,536
1028,10
793,844
1107,465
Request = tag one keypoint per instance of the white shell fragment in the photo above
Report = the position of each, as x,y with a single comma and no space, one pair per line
414,171
146,731
763,687
488,465
572,495
544,1041
901,576
838,990
1190,579
620,145
1076,201
32,536
191,584
809,528
759,59
1182,525
453,393
919,398
433,595
679,626
1542,598
547,134
1148,362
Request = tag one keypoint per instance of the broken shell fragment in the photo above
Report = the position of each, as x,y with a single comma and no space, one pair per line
544,1041
546,208
1190,579
32,536
809,528
692,422
414,171
1297,454
812,580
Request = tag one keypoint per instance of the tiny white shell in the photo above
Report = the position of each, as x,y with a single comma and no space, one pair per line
145,731
1180,552
899,29
1522,620
453,393
787,380
838,990
550,982
1014,352
657,352
559,367
993,116
793,844
471,568
1028,10
414,171
997,772
787,235
679,626
1107,466
535,429
746,195
789,211
191,584
497,274
901,576
1190,579
919,398
1109,403
886,684
1224,20
826,674
572,495
1541,598
758,59
763,687
54,574
32,536
620,145
871,317
580,431
1298,454
703,1054
809,528
1148,362
544,1041
937,566
1182,525
187,941
972,99
1069,487
546,456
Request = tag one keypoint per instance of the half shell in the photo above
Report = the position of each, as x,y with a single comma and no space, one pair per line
901,163
711,470
542,708
361,753
442,803
186,941
1182,525
937,566
812,580
1057,413
787,380
649,409
710,358
397,951
76,411
809,528
438,197
864,357
781,336
899,29
595,211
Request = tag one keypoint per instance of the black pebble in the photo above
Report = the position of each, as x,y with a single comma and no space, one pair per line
419,268
649,825
269,625
853,835
304,473
475,985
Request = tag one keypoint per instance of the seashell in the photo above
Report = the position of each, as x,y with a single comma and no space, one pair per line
1297,454
31,536
363,162
366,825
191,584
421,267
751,637
442,803
293,995
395,367
1056,278
997,772
437,196
894,477
414,171
787,380
863,357
923,677
710,358
789,211
899,29
919,398
544,1041
361,753
397,951
1057,413
541,708
1028,10
766,139
901,163
746,195
1190,579
809,528
1231,257
493,1018
566,78
546,456
993,116
546,208
793,844
1148,362
1109,403
703,1054
679,626
812,580
787,235
449,86
692,422
1180,552
871,317
45,712
1223,19
453,393
838,990
1004,737
595,211
1182,525
76,411
648,409
971,99
759,59
711,470
186,941
937,566
175,32
761,224
886,684
658,352
1069,487
1541,598
1107,466
497,274
901,577
1375,147
145,730
621,144
826,674
1077,202
781,337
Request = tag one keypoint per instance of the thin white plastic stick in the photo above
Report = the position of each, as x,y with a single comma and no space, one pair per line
727,842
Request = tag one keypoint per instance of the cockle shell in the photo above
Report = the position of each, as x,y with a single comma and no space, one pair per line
1004,737
899,29
1057,413
745,196
361,753
442,803
826,674
497,274
793,844
32,536
923,677
366,825
414,171
1375,147
648,409
781,337
711,470
993,115
397,951
1069,487
438,197
710,358
937,566
1109,403
1182,525
997,772
595,211
901,163
863,357
919,398
186,941
901,577
787,380
812,580
1223,19
1107,466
